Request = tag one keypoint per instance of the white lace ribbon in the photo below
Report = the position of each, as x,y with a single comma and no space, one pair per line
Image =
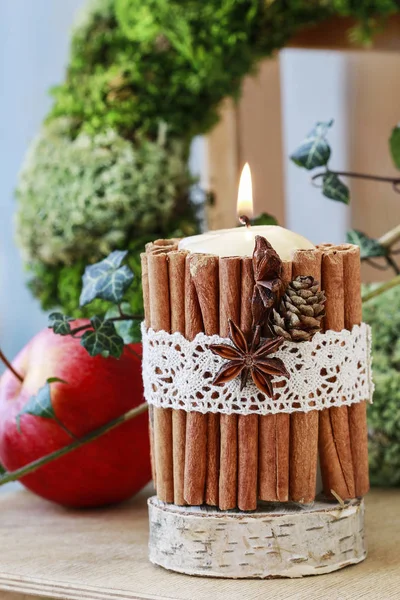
333,369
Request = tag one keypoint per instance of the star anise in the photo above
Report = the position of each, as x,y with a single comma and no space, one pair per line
245,360
267,268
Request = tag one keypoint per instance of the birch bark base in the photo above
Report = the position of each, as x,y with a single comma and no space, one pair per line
274,541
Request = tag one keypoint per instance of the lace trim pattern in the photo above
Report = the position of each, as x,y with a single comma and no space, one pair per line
333,369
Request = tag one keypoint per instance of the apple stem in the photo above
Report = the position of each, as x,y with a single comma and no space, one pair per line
77,443
5,360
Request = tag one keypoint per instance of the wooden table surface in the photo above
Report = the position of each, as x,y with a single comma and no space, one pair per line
51,552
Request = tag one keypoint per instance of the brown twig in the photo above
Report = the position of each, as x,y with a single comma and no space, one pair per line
392,264
122,317
395,181
9,366
132,351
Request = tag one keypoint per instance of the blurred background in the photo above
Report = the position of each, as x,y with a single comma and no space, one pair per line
360,90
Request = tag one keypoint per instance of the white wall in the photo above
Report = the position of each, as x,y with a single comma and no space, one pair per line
34,38
314,89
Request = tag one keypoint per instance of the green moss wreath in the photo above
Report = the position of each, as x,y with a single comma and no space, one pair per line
109,168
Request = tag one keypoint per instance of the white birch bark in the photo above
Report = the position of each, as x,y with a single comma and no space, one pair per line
276,541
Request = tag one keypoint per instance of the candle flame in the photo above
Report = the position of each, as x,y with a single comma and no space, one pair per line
245,194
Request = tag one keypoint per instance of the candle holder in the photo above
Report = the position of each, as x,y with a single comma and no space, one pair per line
252,370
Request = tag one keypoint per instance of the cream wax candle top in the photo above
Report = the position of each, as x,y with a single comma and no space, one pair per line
240,241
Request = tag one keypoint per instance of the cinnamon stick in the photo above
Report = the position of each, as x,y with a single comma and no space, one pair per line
213,459
357,412
147,322
229,308
247,462
195,458
247,424
268,463
274,432
204,270
162,246
159,291
145,289
334,436
304,426
160,319
196,423
247,286
176,274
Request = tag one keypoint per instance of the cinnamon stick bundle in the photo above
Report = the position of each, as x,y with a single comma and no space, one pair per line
304,426
204,271
160,319
229,305
247,424
176,274
274,431
334,436
357,412
196,423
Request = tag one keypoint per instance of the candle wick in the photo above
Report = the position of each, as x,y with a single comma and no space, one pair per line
245,220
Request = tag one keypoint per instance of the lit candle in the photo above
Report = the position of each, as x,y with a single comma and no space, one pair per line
240,241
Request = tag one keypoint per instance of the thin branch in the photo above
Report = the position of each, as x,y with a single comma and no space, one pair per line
132,351
375,264
64,427
81,328
9,366
393,264
123,317
390,238
388,285
90,437
395,181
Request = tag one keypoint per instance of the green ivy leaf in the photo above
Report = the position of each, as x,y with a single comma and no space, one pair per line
264,219
369,247
3,470
107,279
128,330
40,405
314,151
103,339
59,323
394,144
334,188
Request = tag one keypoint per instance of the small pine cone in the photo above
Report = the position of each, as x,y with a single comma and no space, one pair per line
300,311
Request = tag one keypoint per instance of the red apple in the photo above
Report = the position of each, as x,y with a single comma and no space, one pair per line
111,468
